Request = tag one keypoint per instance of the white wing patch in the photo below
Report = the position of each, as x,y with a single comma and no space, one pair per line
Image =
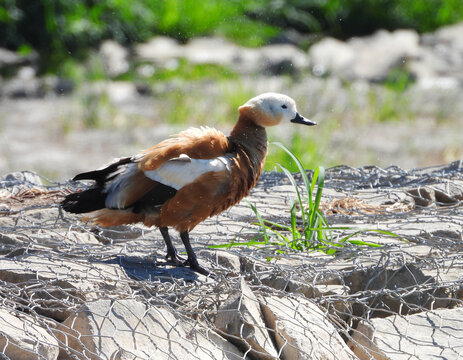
183,170
115,188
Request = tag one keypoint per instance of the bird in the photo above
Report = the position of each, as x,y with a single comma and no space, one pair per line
187,178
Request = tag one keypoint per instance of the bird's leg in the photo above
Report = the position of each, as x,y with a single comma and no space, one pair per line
171,251
192,261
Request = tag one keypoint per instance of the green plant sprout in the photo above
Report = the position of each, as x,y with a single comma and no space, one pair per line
315,234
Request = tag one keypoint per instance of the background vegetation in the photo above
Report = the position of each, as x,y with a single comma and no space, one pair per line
58,29
68,33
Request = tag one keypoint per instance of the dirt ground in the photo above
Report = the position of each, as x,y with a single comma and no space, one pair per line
44,134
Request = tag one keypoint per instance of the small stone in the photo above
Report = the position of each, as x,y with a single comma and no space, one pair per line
222,258
20,178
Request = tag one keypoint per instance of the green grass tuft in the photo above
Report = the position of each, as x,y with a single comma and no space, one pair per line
307,229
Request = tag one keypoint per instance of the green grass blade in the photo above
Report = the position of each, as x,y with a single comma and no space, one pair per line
294,232
302,171
298,193
318,196
248,244
312,185
271,223
364,243
279,234
261,221
346,238
385,232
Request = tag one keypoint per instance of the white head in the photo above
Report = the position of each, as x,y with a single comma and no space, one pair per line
272,108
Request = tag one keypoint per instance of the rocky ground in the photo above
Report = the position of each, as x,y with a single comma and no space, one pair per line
73,291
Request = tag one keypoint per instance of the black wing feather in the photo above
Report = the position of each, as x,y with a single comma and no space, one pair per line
153,198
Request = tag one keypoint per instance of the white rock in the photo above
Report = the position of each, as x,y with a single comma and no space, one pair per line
281,58
362,345
441,54
72,274
121,91
128,355
129,329
433,334
52,282
432,82
159,49
20,88
302,330
428,64
337,308
331,56
211,51
8,57
222,258
19,178
211,344
81,238
115,58
26,73
378,54
218,51
241,322
21,338
368,58
451,35
308,290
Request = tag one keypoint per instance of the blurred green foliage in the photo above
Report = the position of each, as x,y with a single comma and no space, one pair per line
60,29
346,18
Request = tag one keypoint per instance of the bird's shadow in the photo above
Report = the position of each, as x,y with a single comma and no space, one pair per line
144,268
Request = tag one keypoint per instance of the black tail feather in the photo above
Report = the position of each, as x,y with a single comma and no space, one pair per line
84,201
101,176
93,198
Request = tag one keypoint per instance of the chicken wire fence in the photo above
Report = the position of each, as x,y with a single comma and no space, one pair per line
69,290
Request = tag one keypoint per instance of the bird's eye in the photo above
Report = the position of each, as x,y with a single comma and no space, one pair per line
283,106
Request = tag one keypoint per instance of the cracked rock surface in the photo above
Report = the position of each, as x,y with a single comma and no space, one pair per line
71,291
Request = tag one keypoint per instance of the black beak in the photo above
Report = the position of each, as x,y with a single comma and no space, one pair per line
302,120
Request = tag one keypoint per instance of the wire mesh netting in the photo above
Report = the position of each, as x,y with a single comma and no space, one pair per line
69,290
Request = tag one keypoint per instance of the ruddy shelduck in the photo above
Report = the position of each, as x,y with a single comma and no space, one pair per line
185,179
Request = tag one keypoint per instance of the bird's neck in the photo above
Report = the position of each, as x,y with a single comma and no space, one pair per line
252,140
251,136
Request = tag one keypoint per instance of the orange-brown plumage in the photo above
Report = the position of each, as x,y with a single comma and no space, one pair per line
203,143
183,180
